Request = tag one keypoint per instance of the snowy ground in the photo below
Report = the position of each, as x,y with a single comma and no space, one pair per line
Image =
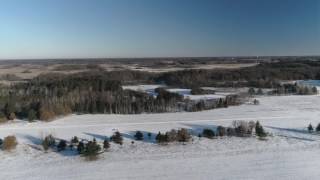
186,93
291,153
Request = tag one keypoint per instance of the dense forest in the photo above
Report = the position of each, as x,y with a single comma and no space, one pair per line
51,95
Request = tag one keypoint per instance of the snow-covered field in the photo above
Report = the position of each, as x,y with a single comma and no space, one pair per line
291,153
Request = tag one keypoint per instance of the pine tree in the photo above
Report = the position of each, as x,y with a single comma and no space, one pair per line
158,136
310,128
106,144
139,136
259,130
117,138
318,127
91,150
62,145
260,92
80,147
251,91
75,140
314,90
208,133
49,141
32,115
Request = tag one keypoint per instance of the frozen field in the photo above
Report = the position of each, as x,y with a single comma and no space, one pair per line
291,153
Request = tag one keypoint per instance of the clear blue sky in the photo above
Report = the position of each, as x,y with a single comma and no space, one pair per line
153,28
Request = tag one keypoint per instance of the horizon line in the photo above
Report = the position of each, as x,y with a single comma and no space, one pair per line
155,57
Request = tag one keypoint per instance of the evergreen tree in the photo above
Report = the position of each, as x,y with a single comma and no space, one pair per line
49,141
62,145
318,127
106,144
259,130
260,92
139,136
80,147
208,133
91,150
314,90
310,128
75,140
162,138
251,91
32,115
117,138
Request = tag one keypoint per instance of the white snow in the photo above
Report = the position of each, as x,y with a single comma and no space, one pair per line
290,153
184,92
143,87
147,88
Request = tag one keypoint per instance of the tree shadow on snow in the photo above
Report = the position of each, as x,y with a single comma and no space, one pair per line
37,145
33,139
146,138
68,152
97,136
196,129
298,131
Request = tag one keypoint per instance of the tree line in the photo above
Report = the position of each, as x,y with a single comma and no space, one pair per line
52,95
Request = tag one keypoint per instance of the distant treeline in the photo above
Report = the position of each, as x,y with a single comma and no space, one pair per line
264,75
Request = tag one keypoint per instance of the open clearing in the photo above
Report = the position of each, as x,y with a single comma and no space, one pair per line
291,152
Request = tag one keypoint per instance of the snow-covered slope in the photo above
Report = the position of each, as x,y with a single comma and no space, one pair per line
291,153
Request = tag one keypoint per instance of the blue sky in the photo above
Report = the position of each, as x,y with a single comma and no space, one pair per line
158,28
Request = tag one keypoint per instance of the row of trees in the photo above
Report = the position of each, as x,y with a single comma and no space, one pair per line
239,128
295,89
287,88
90,149
201,91
311,128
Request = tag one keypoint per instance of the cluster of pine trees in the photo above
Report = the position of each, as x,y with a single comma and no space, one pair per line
239,128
